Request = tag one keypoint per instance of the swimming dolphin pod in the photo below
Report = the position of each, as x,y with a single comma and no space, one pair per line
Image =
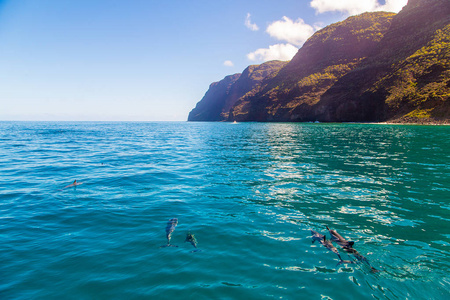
347,246
169,229
329,245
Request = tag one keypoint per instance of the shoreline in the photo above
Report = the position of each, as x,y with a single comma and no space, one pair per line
429,123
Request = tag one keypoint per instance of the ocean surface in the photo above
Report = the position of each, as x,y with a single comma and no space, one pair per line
250,193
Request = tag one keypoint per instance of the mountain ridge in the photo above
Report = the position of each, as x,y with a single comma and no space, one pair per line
222,95
373,67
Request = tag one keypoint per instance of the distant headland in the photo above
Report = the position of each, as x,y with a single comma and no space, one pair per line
373,67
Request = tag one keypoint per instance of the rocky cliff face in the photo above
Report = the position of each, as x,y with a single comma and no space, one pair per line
222,95
371,67
406,79
213,103
326,57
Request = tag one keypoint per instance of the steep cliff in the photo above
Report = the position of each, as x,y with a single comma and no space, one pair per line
212,104
406,79
326,57
368,68
222,95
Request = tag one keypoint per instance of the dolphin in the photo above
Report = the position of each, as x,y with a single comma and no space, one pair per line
191,239
361,258
74,184
329,245
336,237
347,246
169,229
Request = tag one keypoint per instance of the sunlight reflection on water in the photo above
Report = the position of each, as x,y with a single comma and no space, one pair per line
250,192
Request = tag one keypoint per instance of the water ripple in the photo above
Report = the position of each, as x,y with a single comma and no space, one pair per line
250,193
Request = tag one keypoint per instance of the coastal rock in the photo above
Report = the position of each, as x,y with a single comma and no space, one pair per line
327,56
406,79
212,104
373,67
222,95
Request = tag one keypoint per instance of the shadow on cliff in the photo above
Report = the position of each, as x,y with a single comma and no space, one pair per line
360,95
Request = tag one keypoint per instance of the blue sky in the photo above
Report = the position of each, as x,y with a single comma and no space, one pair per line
144,60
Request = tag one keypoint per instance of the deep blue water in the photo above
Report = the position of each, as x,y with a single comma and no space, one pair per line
250,192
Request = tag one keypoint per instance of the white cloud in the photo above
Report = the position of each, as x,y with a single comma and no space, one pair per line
347,6
274,52
249,24
393,5
353,7
295,33
228,63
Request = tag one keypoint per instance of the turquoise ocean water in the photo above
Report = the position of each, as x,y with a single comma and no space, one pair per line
250,192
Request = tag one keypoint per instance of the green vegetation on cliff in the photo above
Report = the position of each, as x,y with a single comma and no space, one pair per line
368,68
418,87
325,58
222,95
406,79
